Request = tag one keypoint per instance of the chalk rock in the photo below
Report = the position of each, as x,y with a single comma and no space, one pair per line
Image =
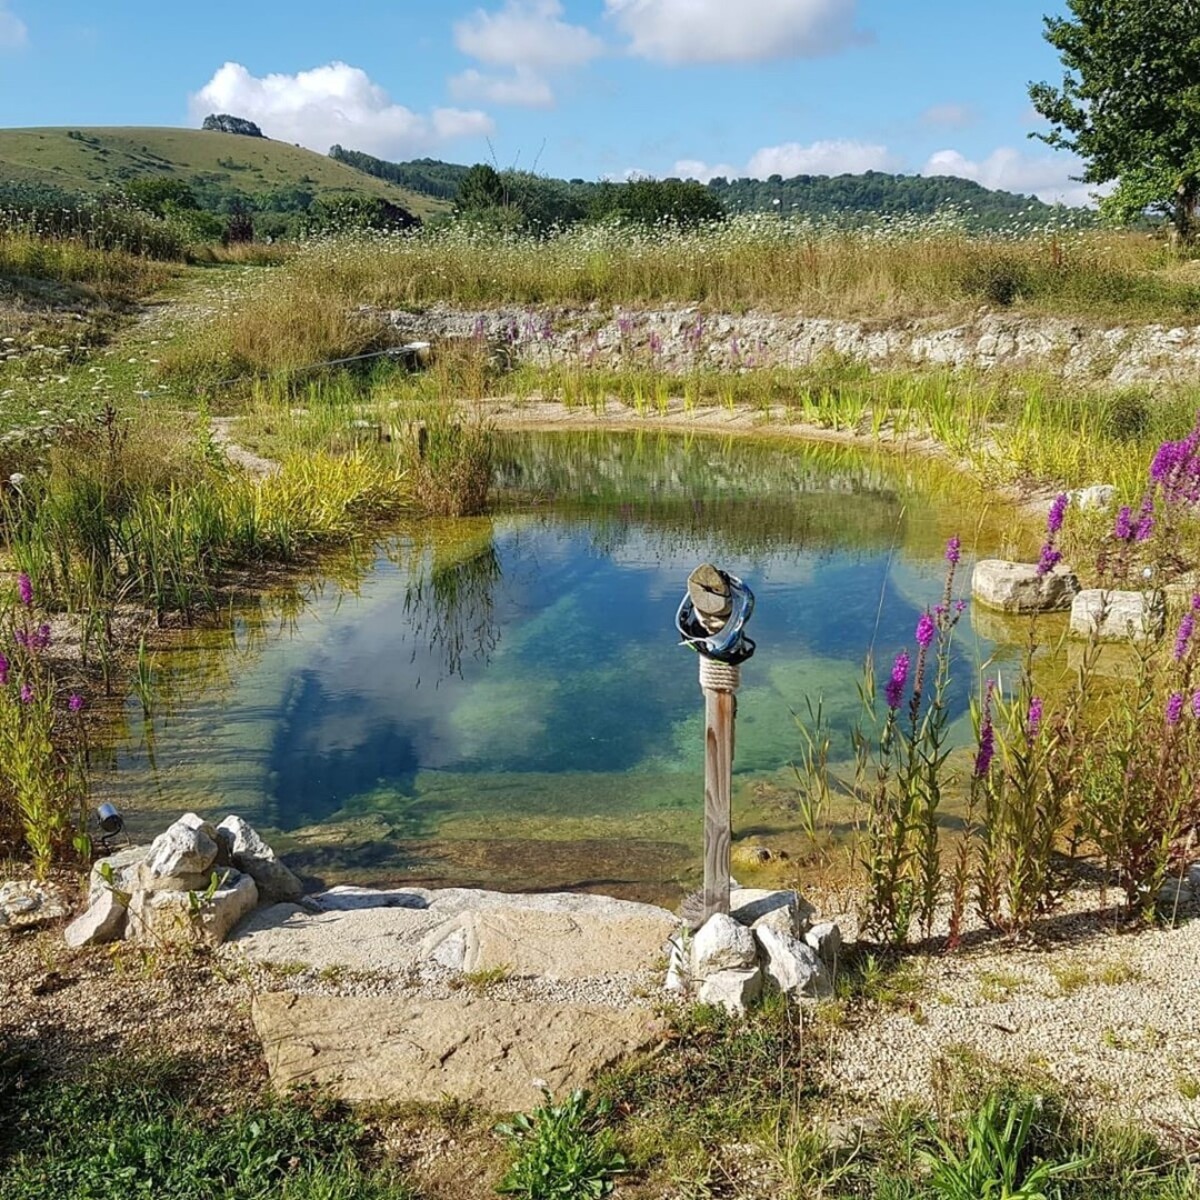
25,904
782,910
124,865
1118,616
722,945
731,990
175,918
793,966
104,921
189,847
493,1053
826,940
251,855
1018,588
1099,496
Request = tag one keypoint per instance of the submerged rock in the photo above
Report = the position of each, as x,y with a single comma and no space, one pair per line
1018,588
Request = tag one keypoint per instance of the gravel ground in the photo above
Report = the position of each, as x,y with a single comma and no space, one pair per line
1112,1015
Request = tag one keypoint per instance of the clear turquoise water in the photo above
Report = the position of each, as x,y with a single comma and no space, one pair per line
504,701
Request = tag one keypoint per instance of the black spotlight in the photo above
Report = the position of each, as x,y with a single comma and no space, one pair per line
111,822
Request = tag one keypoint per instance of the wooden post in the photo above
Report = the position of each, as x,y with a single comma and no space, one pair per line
709,592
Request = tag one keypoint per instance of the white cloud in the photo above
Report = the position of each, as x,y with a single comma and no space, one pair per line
334,103
830,157
1047,176
529,40
710,31
948,116
522,88
14,33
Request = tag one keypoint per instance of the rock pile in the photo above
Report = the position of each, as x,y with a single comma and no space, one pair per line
766,941
192,884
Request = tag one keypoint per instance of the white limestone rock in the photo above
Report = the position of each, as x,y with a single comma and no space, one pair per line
103,922
249,853
183,918
826,940
188,847
1018,588
123,864
794,967
25,904
722,944
1118,616
1098,497
782,910
733,991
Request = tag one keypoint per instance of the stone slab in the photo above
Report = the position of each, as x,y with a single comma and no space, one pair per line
555,936
495,1054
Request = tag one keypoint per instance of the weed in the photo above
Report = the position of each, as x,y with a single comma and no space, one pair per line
479,982
563,1151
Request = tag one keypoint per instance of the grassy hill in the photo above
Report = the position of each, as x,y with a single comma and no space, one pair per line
91,159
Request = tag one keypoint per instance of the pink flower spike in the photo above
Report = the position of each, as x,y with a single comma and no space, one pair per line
925,631
25,589
26,693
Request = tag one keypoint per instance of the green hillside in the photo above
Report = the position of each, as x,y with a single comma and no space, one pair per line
217,166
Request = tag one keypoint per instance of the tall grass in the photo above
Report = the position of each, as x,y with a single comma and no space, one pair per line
113,274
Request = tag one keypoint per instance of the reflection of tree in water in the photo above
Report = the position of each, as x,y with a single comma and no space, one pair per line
450,600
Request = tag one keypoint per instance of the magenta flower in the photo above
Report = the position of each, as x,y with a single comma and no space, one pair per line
1145,525
1174,708
954,550
26,693
1196,706
925,631
1050,558
987,736
960,607
895,685
4,668
1123,529
25,589
75,703
1183,638
1035,716
1058,511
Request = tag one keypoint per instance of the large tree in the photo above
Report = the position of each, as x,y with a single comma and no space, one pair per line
1129,104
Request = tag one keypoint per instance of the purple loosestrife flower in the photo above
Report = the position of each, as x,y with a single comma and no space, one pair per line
1058,511
26,694
1036,713
1174,708
1050,558
925,631
987,736
960,607
75,703
1123,529
4,668
1183,638
895,685
25,589
954,550
1145,525
1196,706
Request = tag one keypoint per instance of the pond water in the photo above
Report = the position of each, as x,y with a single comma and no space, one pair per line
503,701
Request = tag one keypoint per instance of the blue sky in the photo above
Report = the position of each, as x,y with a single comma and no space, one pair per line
584,88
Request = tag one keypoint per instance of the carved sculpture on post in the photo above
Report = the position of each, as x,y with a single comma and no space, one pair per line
712,619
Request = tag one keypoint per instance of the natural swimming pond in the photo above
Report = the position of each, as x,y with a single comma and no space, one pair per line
503,700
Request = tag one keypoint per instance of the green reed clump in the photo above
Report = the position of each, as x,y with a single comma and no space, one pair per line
43,786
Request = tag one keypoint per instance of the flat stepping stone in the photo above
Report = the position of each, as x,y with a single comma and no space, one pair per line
495,1054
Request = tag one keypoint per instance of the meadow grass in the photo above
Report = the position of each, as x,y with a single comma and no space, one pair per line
112,274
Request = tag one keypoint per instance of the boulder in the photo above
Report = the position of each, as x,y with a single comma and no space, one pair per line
1018,588
188,917
722,945
826,940
25,904
186,848
1118,616
492,1053
1098,497
794,967
251,855
123,864
733,991
104,921
782,910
